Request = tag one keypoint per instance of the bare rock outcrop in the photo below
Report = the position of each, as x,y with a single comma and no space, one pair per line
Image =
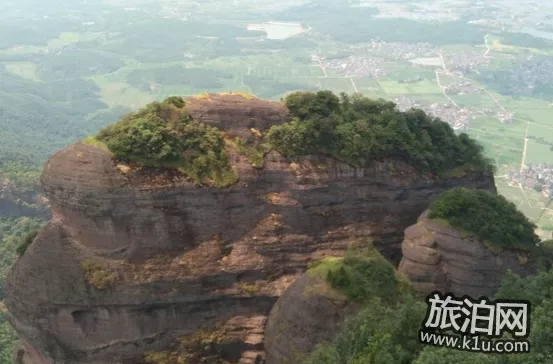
438,257
236,113
135,258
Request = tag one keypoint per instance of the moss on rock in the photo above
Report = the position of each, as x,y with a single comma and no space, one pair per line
97,274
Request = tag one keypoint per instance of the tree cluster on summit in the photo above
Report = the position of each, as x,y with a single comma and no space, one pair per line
353,129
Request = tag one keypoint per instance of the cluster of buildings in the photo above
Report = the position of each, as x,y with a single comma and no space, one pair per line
357,66
462,87
369,61
466,61
411,79
458,118
538,177
535,72
402,50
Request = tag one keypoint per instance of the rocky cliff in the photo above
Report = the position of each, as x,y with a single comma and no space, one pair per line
135,258
438,257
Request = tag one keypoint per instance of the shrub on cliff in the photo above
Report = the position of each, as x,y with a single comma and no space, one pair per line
379,334
385,329
363,275
26,242
488,216
164,135
356,129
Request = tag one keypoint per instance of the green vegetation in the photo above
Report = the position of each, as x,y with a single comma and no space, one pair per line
249,288
24,176
196,348
97,274
536,289
8,338
387,334
92,140
14,232
380,334
349,24
363,275
357,129
391,316
488,216
164,135
26,242
255,152
354,129
198,78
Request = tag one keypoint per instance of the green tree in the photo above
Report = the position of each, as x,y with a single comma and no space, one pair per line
164,135
435,355
379,334
488,216
356,130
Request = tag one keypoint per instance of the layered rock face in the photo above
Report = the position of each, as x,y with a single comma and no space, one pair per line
439,257
135,258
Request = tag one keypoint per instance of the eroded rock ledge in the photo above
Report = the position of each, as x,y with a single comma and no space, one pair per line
135,258
439,257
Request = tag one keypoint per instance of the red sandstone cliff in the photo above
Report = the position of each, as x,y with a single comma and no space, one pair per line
437,257
175,258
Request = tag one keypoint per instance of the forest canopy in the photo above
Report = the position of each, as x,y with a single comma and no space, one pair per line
356,129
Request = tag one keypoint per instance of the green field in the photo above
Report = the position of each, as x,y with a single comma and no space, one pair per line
504,155
525,108
541,131
529,202
478,100
503,142
445,80
407,71
538,153
121,94
497,46
394,88
491,125
428,98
